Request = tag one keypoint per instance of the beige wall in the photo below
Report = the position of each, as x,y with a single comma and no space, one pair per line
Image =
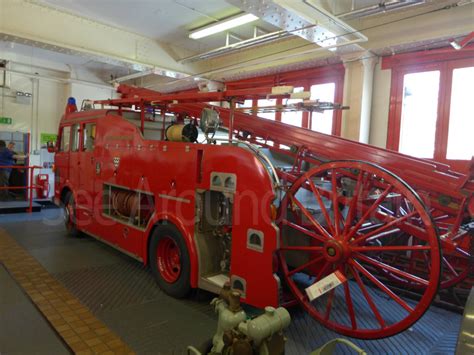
352,98
380,102
380,106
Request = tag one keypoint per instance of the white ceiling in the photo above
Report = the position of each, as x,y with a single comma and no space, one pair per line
168,21
48,59
39,53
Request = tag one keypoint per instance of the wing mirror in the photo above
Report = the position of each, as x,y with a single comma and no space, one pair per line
51,146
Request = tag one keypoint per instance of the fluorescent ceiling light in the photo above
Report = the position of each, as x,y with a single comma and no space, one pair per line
223,25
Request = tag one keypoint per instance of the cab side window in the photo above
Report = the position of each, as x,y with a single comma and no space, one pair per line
76,133
88,136
65,139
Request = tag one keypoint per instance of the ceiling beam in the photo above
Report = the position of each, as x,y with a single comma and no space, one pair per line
31,23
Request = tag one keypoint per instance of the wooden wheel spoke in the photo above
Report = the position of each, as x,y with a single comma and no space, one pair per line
459,236
427,261
393,222
322,271
301,248
368,212
350,305
329,304
381,286
367,297
463,253
305,265
335,204
391,248
353,205
318,196
383,266
308,215
304,231
388,211
450,267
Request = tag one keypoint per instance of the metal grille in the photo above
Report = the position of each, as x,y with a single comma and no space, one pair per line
111,286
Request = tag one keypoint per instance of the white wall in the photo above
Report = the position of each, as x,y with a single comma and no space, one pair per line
40,115
85,92
50,90
49,97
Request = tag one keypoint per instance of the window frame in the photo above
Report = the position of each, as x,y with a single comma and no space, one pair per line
444,60
83,136
61,140
301,78
77,149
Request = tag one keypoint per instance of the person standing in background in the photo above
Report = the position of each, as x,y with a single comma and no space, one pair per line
11,147
7,158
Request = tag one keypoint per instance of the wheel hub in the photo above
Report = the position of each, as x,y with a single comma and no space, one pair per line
336,251
168,260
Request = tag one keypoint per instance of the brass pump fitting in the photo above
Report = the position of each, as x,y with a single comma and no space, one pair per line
232,297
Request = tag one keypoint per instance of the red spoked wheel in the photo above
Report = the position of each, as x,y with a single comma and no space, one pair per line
348,216
168,259
457,244
456,260
458,264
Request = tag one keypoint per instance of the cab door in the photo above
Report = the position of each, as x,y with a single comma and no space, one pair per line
75,173
61,160
86,173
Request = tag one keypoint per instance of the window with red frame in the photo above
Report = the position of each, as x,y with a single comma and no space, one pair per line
430,114
324,83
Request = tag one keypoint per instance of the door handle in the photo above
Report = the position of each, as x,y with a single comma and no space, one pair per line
92,159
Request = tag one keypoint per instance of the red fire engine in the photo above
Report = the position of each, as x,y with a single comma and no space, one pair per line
270,208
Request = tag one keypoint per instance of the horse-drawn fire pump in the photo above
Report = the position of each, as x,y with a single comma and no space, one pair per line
278,211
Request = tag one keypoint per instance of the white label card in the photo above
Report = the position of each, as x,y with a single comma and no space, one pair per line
324,285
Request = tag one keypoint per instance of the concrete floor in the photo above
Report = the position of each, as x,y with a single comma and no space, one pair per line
123,295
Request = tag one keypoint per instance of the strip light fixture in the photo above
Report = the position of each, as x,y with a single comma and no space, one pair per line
223,25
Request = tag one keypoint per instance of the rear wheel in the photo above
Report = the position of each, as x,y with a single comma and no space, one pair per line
69,209
169,261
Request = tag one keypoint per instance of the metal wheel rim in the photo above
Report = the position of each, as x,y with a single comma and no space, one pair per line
168,259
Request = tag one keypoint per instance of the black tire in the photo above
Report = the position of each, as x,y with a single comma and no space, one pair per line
181,286
69,209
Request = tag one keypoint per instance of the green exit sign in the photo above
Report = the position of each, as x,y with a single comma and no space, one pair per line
5,120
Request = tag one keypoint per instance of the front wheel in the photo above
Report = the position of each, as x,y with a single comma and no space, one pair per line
169,261
69,210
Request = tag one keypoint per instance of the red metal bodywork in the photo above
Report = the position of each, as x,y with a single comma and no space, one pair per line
173,173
